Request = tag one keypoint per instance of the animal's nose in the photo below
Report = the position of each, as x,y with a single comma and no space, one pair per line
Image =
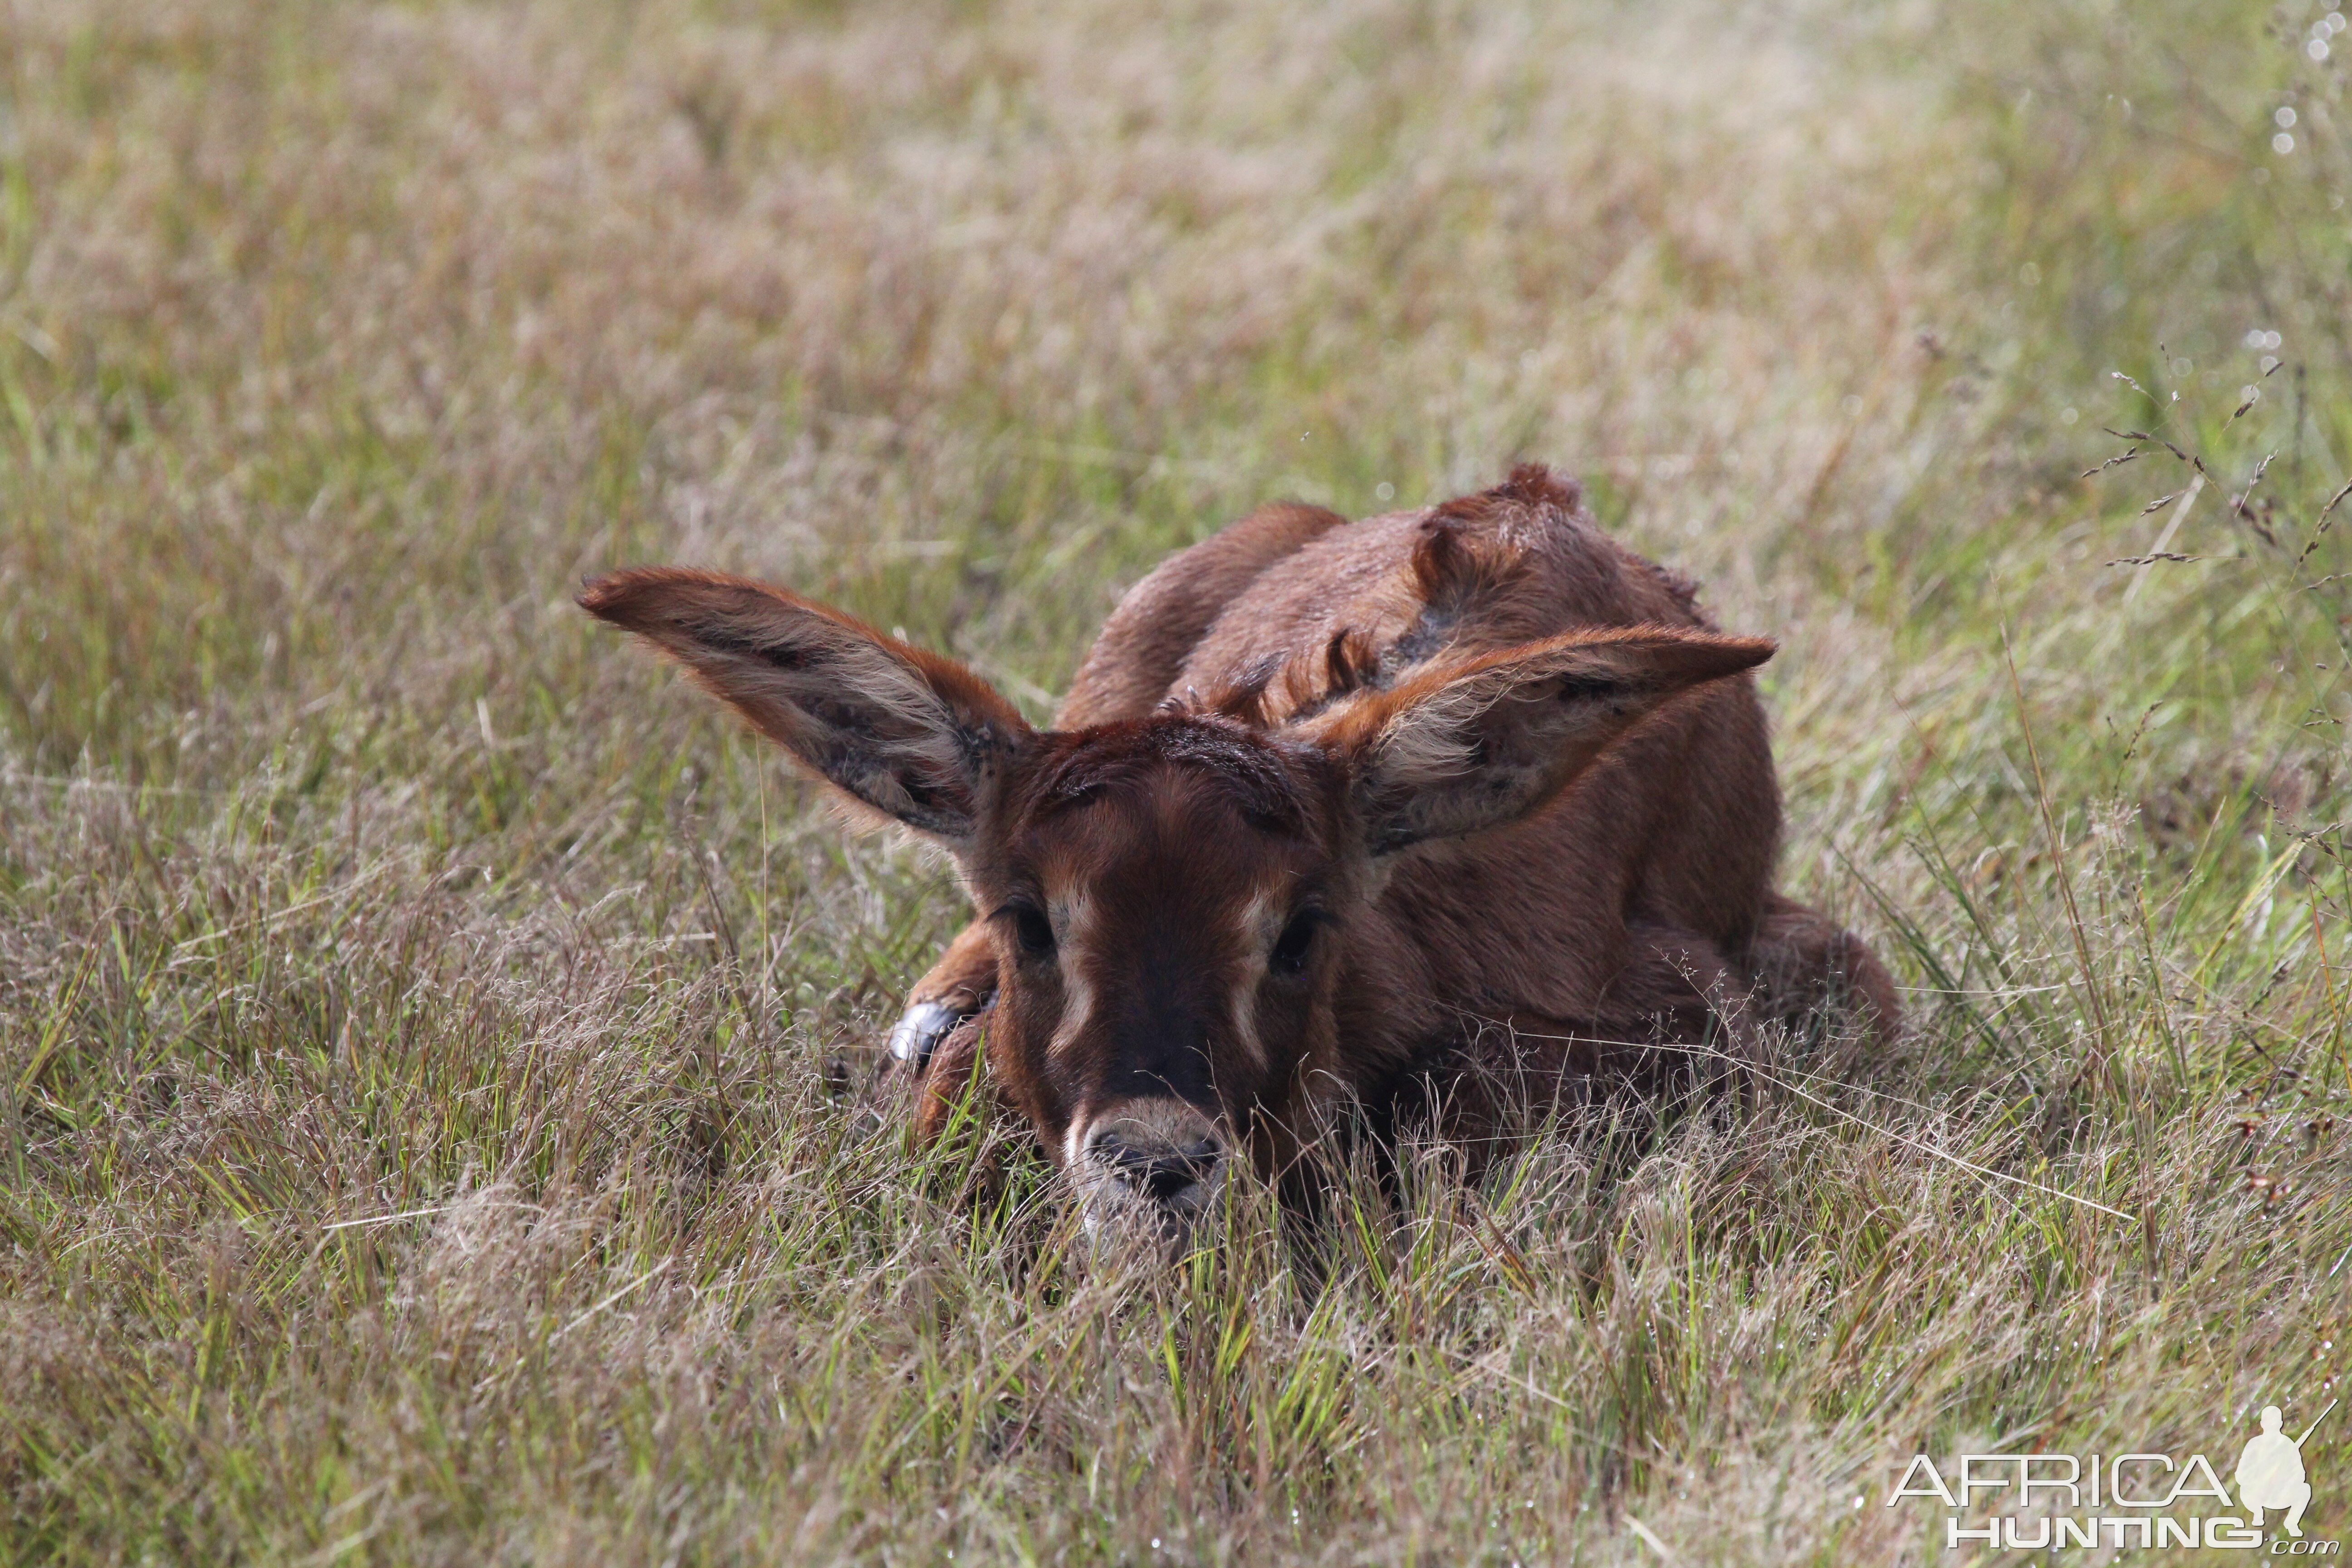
1155,1167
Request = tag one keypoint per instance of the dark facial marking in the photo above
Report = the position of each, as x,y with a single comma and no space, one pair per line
1296,944
1033,933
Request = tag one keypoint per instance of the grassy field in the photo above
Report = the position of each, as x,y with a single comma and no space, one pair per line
441,1115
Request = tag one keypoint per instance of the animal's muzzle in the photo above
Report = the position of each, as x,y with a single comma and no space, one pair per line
1156,1159
1152,1168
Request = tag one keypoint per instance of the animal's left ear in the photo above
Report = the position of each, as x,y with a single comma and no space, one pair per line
1483,742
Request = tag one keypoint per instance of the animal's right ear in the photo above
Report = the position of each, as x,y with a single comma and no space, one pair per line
906,734
1477,743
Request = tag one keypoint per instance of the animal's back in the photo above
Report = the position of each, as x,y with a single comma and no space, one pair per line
1675,830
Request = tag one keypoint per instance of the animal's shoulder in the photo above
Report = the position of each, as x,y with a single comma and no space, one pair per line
1359,606
1159,621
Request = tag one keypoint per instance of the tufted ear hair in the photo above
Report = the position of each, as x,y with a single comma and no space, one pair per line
900,733
1481,742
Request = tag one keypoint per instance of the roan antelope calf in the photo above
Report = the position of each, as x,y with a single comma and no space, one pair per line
1427,817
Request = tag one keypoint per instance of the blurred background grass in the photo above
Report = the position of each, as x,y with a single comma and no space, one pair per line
346,874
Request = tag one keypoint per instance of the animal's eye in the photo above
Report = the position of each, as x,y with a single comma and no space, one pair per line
1298,940
1032,930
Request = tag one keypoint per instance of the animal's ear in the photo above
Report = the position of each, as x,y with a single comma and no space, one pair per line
1481,742
914,737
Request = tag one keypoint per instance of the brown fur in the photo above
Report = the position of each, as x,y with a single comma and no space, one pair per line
1496,783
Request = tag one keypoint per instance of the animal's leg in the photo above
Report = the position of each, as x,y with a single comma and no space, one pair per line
1808,967
1678,1011
951,1079
960,985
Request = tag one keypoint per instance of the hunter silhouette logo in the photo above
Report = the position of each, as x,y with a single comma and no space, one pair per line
2113,1501
2270,1471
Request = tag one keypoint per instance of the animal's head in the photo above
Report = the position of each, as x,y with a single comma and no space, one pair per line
1173,899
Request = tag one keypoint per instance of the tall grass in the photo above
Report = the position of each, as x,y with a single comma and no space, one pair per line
440,1114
